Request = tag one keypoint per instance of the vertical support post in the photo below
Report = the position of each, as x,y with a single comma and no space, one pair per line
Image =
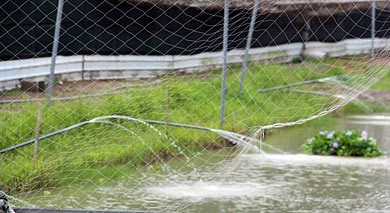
54,50
225,49
291,73
373,19
248,46
305,31
168,109
82,67
37,133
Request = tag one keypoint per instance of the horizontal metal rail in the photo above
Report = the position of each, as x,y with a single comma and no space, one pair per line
43,137
88,122
179,125
298,84
314,93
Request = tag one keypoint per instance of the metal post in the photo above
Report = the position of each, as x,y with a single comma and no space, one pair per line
37,134
168,109
248,45
54,50
373,18
225,49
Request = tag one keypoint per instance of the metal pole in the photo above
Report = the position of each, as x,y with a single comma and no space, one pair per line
37,133
54,51
373,18
89,122
248,45
225,49
43,137
168,109
321,80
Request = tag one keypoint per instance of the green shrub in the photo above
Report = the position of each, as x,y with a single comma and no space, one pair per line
347,143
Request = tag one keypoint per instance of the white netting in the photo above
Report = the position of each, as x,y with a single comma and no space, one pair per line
141,80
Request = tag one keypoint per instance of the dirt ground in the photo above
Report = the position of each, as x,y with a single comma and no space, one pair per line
64,90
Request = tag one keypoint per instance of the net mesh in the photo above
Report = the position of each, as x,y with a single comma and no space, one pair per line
141,80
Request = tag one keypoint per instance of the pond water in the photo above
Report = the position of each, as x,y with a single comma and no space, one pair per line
256,182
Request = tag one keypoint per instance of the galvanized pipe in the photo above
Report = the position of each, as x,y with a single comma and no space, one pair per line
179,125
88,122
373,26
298,84
43,137
224,66
248,46
54,51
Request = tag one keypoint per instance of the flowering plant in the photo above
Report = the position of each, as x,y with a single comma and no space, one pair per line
347,143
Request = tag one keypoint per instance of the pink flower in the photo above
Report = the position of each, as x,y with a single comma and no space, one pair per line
364,135
330,136
335,145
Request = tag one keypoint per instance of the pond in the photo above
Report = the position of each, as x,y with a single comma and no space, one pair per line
254,182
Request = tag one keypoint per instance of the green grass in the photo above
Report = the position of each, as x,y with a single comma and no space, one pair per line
98,151
384,83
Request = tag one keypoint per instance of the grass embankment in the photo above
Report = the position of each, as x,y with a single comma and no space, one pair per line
105,151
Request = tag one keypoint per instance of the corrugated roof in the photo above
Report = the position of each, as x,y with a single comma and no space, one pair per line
321,7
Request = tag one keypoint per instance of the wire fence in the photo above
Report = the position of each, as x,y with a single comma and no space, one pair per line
116,90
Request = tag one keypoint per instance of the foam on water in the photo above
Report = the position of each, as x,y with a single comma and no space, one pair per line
203,190
193,190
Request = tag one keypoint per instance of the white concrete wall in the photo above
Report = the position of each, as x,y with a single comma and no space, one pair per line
96,67
343,48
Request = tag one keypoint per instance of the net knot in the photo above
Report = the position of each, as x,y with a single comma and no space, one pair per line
259,133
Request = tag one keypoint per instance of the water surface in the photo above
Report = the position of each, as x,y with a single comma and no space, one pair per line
254,182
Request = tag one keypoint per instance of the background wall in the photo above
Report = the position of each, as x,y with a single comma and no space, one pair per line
109,28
